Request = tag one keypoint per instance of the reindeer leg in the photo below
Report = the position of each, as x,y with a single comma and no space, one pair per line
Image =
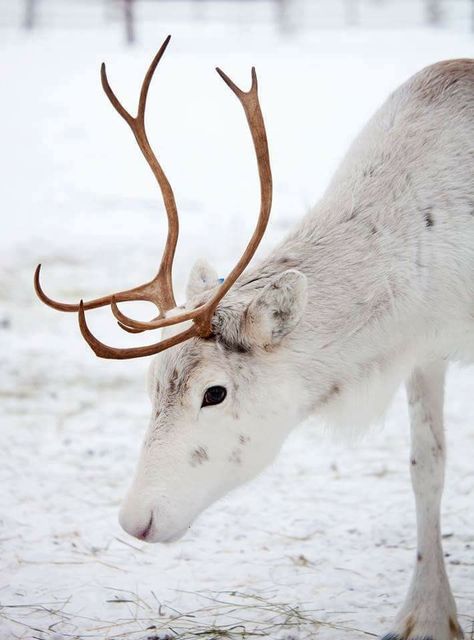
429,611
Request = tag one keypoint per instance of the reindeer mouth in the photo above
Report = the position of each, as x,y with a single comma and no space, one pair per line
155,536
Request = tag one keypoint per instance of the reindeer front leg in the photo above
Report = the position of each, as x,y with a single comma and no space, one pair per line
429,611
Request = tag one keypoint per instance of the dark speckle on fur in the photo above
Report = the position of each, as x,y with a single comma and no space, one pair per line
413,462
428,216
172,382
244,439
282,315
236,456
232,347
335,390
419,557
199,456
288,262
369,172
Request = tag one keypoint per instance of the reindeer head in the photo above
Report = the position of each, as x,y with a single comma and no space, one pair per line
221,406
221,392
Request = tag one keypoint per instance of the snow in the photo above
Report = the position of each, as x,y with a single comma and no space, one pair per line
329,529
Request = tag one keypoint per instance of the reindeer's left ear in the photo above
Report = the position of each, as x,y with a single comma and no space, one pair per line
202,278
277,309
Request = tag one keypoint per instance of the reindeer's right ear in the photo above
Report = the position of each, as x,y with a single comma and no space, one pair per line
202,278
277,309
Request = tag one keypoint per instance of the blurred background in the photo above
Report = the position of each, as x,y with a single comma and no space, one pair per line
329,528
286,16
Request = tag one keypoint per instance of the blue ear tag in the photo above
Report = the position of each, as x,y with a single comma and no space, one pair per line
220,280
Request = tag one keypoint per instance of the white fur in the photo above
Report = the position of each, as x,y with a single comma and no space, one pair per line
374,287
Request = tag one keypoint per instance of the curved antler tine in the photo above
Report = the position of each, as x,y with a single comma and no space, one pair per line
129,295
60,306
148,78
66,306
156,323
126,323
254,86
237,90
113,353
143,93
129,329
117,105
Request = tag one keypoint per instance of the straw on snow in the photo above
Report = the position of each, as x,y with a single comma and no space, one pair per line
231,615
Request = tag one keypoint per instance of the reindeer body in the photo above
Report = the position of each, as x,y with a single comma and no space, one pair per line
389,251
375,287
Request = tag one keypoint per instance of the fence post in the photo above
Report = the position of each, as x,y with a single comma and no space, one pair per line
285,16
129,16
352,12
29,19
434,12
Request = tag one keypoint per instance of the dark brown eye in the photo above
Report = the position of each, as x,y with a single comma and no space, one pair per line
214,395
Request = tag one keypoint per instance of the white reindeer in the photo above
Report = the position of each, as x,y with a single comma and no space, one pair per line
374,287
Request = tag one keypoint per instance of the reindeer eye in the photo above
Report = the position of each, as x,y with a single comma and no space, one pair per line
214,395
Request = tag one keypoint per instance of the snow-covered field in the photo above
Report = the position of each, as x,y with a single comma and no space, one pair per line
321,545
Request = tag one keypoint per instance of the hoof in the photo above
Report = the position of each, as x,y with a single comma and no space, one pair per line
428,621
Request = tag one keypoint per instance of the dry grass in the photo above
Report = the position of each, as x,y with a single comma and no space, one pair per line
229,615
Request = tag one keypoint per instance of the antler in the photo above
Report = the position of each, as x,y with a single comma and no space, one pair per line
159,290
203,315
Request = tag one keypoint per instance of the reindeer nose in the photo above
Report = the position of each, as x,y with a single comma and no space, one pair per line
138,525
142,535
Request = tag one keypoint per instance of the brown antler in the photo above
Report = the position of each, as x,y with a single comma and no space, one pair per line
159,290
202,315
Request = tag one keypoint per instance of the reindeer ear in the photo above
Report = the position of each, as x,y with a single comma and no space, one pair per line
202,278
277,309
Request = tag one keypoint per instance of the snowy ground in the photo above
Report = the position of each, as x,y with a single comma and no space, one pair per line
330,528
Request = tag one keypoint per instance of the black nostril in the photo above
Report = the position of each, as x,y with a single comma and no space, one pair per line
144,534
